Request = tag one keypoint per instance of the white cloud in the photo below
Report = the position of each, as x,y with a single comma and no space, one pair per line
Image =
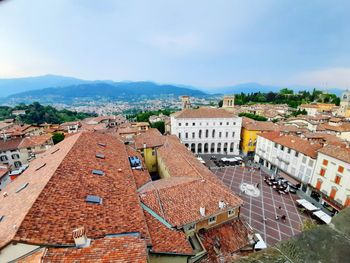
327,78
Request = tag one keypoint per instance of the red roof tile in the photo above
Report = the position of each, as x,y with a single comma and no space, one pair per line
166,240
227,238
53,204
337,152
151,138
120,249
35,141
204,113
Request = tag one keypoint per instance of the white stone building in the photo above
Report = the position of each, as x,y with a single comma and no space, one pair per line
290,156
331,178
208,130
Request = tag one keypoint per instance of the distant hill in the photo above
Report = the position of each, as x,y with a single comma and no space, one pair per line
15,85
112,90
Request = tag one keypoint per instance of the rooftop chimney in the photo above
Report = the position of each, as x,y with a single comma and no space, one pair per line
202,211
80,237
222,204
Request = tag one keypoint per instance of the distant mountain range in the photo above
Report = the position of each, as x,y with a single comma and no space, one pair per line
53,88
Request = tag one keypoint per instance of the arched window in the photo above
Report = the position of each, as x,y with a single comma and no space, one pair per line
213,133
232,145
206,148
200,134
218,149
15,156
199,148
212,148
3,158
206,133
225,147
193,147
18,164
186,144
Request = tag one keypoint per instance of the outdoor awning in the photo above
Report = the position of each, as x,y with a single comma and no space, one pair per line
323,216
288,178
307,205
261,243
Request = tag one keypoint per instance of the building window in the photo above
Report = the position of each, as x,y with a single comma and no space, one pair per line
282,147
347,202
219,134
325,162
18,164
319,185
275,145
153,152
296,154
186,124
200,134
231,212
311,163
333,193
193,124
234,123
220,123
337,179
179,135
233,134
226,134
289,150
179,123
232,146
206,133
3,158
213,133
322,172
186,135
340,169
15,156
193,135
212,220
227,123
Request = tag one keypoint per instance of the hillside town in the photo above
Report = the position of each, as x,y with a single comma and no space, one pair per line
215,187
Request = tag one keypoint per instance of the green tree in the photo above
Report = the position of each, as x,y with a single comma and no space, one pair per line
57,137
160,125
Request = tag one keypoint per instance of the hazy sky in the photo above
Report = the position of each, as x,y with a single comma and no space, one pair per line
195,42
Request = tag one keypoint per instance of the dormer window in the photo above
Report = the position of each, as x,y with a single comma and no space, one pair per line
231,212
93,199
98,172
100,156
212,220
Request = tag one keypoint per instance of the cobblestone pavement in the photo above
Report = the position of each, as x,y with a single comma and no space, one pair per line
260,212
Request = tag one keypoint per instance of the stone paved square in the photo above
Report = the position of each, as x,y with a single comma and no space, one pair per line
265,206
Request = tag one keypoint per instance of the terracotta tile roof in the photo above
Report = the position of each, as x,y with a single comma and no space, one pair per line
227,238
296,143
339,153
166,240
11,144
53,204
35,141
270,135
204,113
179,202
152,138
127,130
119,249
344,127
253,125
